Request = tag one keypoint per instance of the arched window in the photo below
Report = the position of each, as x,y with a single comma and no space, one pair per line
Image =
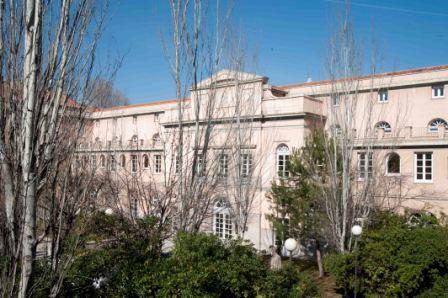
436,123
282,160
393,164
145,161
134,140
222,223
122,161
102,161
156,139
384,126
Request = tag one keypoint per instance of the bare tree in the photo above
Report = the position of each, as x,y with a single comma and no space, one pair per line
105,95
46,66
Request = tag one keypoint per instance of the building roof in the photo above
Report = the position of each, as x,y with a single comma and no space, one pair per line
139,105
379,75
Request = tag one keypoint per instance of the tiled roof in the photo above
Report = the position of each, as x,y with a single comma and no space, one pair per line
139,105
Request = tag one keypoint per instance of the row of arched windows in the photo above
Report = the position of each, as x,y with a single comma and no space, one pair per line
433,125
111,162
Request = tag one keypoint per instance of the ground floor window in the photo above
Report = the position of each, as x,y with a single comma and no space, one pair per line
222,226
423,166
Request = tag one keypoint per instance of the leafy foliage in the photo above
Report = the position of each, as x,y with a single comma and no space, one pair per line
396,258
200,265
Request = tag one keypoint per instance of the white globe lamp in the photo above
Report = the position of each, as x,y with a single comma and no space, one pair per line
356,230
109,211
290,244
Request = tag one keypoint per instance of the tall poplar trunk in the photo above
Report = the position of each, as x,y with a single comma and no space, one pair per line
32,41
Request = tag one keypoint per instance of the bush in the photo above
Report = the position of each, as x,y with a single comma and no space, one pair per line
395,259
200,265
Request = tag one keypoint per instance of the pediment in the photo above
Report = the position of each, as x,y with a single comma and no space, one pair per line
227,77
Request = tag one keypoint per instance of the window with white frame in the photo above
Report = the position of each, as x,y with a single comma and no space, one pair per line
113,163
156,139
335,99
393,164
223,166
365,165
438,91
158,163
383,96
93,161
423,166
145,161
177,164
201,165
102,161
384,126
134,163
436,123
246,165
122,161
282,160
222,223
134,141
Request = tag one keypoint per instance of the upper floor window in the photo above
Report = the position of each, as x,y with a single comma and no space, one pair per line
246,164
122,161
156,117
393,164
145,161
383,95
158,163
423,166
134,140
222,224
177,164
134,163
335,99
93,161
365,165
437,91
384,126
223,166
201,165
282,160
436,123
113,163
336,130
102,161
156,139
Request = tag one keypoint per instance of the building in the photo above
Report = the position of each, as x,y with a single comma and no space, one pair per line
402,115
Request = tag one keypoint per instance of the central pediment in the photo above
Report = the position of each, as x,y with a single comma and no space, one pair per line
227,77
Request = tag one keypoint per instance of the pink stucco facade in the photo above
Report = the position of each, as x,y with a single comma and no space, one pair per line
283,115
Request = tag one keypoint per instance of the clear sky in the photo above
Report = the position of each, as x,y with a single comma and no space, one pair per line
291,38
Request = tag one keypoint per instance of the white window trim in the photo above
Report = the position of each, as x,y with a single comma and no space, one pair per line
424,181
286,155
132,163
387,167
366,166
225,211
380,92
157,170
437,96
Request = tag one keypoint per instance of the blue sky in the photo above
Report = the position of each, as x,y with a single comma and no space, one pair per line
290,37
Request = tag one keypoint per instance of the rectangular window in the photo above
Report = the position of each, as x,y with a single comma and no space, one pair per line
383,96
423,166
335,99
113,163
246,165
223,225
201,165
365,165
158,163
437,91
134,163
282,164
93,161
177,164
223,165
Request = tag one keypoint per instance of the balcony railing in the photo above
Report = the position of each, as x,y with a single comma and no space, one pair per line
139,144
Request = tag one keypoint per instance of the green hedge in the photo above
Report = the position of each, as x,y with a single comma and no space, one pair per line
395,259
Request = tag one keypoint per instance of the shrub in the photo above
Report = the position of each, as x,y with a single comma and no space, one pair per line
395,258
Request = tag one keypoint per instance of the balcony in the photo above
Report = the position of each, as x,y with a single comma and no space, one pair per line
119,145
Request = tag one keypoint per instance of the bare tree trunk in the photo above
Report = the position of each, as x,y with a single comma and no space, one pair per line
319,259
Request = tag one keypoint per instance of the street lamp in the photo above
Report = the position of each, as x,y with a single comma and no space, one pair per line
290,245
109,211
356,231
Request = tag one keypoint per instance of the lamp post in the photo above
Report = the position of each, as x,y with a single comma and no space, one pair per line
356,231
290,245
